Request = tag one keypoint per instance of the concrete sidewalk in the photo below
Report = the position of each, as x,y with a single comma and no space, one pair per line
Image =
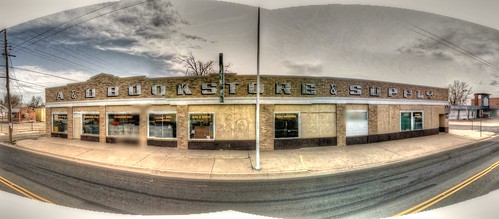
232,165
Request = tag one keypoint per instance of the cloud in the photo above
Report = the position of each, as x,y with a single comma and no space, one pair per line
152,30
494,83
454,41
303,68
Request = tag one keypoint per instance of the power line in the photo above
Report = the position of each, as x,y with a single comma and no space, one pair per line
54,58
19,87
69,22
86,56
43,73
84,22
25,82
454,46
41,55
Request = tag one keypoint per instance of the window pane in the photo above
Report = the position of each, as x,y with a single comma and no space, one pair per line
418,120
286,125
162,125
405,121
90,124
123,124
202,126
60,123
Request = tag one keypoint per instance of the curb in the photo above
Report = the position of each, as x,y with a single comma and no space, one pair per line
237,176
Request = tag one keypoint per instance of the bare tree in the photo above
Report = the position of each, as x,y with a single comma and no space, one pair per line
36,102
198,68
14,99
459,92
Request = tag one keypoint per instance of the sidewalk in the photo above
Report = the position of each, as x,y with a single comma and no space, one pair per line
232,165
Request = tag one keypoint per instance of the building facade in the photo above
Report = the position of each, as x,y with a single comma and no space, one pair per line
190,112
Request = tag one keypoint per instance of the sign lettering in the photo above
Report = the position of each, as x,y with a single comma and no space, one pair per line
183,89
113,91
208,88
134,90
355,90
59,96
90,93
308,89
283,88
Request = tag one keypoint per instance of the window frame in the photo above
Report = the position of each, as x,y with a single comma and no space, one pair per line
82,119
189,129
412,119
52,122
299,123
162,112
121,113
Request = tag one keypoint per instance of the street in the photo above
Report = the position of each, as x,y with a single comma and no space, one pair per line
375,192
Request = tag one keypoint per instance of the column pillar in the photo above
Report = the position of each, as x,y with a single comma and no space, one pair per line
182,127
267,127
102,124
70,122
341,131
143,127
372,119
48,121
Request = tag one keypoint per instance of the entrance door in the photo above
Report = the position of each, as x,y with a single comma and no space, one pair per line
76,126
442,126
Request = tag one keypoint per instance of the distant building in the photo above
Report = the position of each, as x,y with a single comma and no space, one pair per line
23,114
480,102
40,114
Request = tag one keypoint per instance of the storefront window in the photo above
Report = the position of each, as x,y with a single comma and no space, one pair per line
418,120
162,125
60,123
411,121
123,125
90,124
286,125
202,126
405,121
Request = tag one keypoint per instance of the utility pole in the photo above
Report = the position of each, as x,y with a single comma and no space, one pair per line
9,103
257,125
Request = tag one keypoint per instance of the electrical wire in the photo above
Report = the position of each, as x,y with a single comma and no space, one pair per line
69,22
43,73
129,6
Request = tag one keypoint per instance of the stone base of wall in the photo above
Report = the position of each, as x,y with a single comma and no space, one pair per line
443,129
59,135
129,141
223,145
89,138
162,143
391,136
303,143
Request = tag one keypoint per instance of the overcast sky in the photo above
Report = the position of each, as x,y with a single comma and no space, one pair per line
135,37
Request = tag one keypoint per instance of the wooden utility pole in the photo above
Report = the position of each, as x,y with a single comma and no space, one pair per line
7,79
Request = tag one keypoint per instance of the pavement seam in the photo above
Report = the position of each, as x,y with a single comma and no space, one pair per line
83,152
213,165
141,160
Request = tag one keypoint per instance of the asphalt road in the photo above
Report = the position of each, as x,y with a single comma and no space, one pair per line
376,192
